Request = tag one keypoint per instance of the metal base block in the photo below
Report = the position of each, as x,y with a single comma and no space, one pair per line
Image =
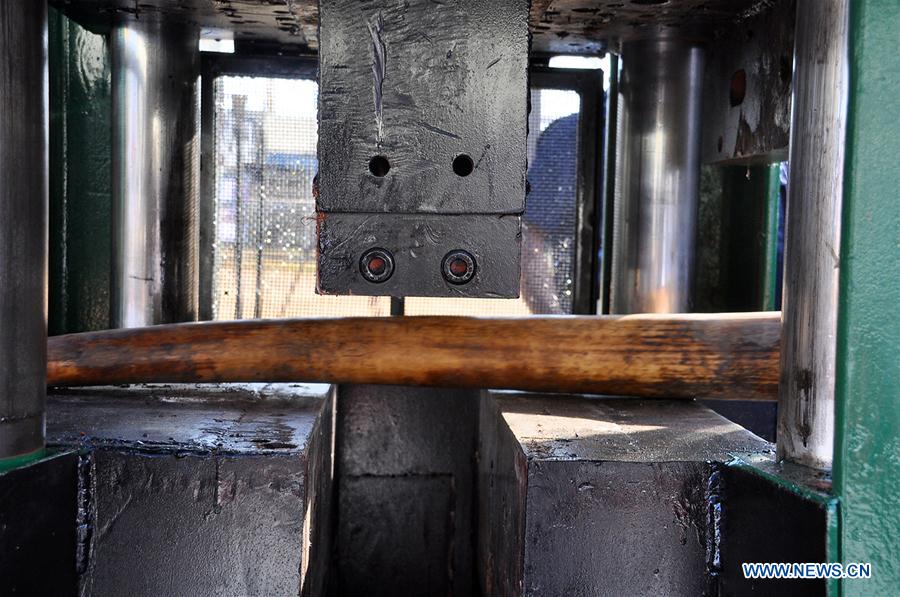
37,527
771,514
405,481
189,490
388,490
599,496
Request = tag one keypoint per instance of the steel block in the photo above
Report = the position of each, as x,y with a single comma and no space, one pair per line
422,115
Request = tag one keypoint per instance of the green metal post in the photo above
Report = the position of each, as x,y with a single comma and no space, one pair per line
867,442
769,266
80,184
737,238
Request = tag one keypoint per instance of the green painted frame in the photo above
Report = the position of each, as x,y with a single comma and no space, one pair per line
867,442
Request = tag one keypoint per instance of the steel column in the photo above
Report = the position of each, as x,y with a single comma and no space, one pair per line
657,175
609,183
813,234
156,173
23,225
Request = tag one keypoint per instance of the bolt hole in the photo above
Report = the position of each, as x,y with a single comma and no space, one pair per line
379,166
376,265
738,88
463,165
458,267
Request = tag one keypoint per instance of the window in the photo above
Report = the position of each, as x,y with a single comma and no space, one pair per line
264,240
265,229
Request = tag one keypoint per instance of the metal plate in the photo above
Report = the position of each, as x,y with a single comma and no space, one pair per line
590,26
751,122
559,26
764,518
280,23
423,88
418,244
420,83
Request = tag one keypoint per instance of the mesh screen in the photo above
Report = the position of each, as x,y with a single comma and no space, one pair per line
265,248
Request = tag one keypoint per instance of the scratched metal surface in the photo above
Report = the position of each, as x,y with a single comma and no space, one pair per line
287,23
813,256
172,524
589,26
419,244
616,528
226,418
564,26
421,83
754,127
624,429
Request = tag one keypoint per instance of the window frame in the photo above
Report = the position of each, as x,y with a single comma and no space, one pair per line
588,83
212,66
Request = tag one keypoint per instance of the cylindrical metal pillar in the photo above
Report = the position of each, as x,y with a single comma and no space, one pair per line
156,173
813,233
657,176
23,225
